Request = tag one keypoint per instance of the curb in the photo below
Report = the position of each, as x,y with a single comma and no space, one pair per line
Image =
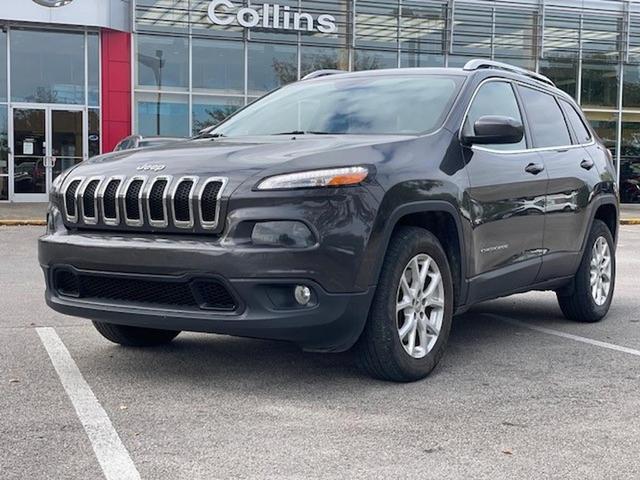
22,223
630,221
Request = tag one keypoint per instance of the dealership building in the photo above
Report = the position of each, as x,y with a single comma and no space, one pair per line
76,76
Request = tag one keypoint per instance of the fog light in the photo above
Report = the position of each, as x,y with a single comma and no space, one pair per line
302,293
282,234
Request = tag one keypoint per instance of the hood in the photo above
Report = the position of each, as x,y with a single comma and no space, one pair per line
241,158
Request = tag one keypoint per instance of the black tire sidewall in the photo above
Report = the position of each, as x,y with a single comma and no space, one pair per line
420,241
583,284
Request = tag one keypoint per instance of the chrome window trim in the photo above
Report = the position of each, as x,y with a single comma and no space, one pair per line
181,223
518,151
123,198
205,224
164,223
81,192
63,190
101,191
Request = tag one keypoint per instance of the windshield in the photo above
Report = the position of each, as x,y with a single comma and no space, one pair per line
412,104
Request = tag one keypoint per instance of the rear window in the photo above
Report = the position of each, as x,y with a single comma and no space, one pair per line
575,120
546,120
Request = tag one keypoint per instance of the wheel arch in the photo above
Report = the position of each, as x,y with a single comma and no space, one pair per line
604,208
442,219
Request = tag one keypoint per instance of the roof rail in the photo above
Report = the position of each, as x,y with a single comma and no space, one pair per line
478,63
322,73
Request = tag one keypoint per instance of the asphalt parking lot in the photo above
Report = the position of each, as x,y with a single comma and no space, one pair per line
521,393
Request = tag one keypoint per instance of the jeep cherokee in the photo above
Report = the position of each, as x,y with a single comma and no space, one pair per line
345,210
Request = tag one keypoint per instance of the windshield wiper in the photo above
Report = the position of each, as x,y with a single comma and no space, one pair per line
210,135
303,132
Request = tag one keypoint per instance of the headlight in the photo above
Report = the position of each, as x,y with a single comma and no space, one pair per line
332,177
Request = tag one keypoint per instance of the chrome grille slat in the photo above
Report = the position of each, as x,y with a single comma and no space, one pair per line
178,197
69,197
156,197
87,200
186,202
131,199
206,220
109,200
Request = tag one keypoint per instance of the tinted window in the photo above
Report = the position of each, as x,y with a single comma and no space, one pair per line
581,131
546,121
494,98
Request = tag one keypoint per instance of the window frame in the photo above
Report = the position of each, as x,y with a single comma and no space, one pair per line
564,104
554,96
528,134
525,123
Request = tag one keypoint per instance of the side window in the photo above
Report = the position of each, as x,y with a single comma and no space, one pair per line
582,132
546,120
494,98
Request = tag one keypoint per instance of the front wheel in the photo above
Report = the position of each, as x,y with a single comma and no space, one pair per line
134,336
594,282
411,313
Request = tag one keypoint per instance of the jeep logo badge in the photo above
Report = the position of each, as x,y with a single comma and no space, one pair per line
151,167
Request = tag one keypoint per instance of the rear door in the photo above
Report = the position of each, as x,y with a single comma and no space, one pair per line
506,197
572,176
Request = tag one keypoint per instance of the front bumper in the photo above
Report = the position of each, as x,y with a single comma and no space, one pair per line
332,322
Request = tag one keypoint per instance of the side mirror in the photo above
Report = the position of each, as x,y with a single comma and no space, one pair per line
495,129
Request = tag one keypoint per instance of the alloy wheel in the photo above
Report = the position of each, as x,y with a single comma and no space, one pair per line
600,271
420,305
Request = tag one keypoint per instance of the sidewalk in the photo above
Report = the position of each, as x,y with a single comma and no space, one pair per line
35,214
23,213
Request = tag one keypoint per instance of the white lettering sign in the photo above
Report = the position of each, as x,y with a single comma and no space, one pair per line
223,12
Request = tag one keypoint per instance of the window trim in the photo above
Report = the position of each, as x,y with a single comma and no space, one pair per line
526,150
516,96
569,123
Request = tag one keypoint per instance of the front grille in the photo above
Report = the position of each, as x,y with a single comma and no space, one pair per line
204,294
209,201
89,199
132,200
156,201
182,201
185,203
70,198
110,201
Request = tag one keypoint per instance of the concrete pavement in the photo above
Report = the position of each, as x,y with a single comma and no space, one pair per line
507,402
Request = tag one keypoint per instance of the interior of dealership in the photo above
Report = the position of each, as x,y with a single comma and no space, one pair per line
193,62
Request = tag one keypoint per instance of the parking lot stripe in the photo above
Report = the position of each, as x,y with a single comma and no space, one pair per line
111,453
558,333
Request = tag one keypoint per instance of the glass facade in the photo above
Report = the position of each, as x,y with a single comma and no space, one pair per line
191,73
49,104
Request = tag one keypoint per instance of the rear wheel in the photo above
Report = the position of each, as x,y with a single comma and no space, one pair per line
134,336
594,282
410,317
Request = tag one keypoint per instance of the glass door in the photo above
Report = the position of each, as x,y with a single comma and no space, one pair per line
46,141
67,140
29,154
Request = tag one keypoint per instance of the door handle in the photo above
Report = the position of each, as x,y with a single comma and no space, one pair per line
587,164
534,168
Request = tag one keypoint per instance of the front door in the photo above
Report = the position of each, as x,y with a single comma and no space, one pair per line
46,141
506,195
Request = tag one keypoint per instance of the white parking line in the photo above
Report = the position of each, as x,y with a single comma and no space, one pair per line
558,333
112,454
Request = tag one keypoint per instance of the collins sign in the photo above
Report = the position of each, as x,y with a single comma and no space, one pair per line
223,12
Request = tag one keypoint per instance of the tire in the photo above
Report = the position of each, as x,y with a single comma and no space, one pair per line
380,350
134,336
581,305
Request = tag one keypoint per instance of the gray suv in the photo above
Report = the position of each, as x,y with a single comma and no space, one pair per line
347,210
